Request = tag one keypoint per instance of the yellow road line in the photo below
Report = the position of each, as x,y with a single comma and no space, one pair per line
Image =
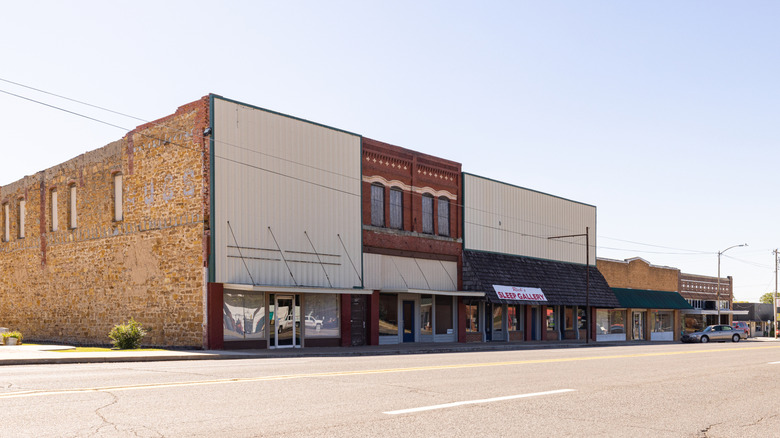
40,393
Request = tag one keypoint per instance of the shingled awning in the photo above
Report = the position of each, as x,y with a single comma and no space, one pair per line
561,283
650,299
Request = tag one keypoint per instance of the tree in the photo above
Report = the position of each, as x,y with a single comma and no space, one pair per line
767,297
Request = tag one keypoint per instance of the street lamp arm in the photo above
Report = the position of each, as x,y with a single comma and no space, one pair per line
734,246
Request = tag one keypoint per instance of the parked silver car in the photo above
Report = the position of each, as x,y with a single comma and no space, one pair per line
722,333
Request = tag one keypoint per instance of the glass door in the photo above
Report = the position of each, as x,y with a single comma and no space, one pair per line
287,316
639,326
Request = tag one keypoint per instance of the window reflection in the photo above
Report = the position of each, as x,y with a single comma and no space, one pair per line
472,318
388,315
321,319
243,316
426,315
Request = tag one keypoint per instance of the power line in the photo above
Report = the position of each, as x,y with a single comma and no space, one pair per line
456,204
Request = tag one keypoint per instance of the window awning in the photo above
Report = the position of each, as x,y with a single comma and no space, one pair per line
713,312
450,293
561,283
295,289
650,299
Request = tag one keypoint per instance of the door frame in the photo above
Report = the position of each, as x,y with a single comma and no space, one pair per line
295,319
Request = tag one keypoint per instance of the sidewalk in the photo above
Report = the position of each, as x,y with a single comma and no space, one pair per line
58,354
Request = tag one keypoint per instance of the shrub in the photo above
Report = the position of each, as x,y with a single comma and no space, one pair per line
127,336
13,334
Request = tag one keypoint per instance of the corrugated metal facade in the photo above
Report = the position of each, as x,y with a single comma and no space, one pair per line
502,218
394,273
289,188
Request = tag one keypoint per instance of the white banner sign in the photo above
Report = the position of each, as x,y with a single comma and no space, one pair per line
515,293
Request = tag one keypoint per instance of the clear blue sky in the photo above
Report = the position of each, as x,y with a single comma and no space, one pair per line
663,114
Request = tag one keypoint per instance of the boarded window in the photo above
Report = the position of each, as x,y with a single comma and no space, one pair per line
118,213
72,219
427,214
396,209
54,221
378,205
444,216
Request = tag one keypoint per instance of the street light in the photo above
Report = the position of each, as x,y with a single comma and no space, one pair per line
717,302
587,278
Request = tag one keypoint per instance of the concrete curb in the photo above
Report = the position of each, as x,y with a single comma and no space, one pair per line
47,355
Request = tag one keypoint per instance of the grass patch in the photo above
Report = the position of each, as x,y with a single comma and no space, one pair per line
102,350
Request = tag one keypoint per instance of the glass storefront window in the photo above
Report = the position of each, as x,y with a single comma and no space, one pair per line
388,315
498,317
514,317
569,317
610,321
444,315
472,318
663,321
243,316
321,316
582,318
551,317
426,314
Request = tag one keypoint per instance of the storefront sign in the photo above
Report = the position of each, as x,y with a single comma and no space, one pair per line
515,293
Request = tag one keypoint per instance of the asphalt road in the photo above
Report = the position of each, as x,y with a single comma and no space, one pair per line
650,390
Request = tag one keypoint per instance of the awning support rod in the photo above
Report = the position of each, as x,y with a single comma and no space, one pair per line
282,253
238,247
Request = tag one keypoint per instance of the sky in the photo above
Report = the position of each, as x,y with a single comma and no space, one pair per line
662,114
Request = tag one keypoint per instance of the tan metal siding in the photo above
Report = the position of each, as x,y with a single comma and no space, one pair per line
395,273
512,220
295,177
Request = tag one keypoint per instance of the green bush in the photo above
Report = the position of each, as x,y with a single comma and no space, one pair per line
13,334
127,336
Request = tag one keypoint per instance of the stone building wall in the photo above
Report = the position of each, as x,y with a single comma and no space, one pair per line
72,285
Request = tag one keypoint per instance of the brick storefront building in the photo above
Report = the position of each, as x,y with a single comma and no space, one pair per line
412,247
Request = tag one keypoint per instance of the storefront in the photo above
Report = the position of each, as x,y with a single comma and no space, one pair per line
529,299
417,299
419,315
279,317
651,316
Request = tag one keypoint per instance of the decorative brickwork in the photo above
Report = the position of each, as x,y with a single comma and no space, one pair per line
72,285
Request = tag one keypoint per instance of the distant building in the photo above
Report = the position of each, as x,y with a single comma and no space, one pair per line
650,303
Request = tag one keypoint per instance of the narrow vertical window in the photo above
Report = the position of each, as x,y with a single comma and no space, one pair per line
396,209
118,213
54,219
72,219
21,218
444,216
378,205
427,213
6,222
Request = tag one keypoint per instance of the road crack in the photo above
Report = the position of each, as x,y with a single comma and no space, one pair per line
106,423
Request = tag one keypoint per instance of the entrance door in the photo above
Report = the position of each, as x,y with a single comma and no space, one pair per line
535,323
639,326
408,315
358,316
287,314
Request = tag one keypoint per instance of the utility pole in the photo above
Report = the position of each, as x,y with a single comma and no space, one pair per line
717,301
587,278
774,298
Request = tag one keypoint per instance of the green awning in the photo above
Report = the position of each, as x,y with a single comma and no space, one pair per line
650,299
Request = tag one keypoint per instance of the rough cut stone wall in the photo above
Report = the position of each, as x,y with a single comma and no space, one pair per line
73,285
